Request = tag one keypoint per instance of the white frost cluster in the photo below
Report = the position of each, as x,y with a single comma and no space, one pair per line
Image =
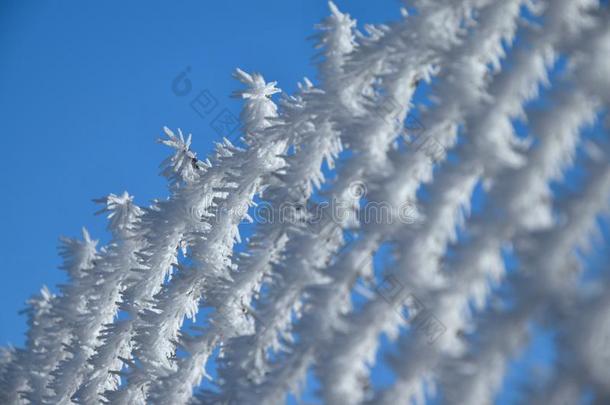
415,116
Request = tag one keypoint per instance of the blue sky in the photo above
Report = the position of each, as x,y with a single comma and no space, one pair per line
85,91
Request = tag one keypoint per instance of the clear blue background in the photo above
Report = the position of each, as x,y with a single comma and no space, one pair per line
85,88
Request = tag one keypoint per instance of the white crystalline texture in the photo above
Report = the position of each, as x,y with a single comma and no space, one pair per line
415,209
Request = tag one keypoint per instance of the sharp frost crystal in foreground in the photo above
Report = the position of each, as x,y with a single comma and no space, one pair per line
411,212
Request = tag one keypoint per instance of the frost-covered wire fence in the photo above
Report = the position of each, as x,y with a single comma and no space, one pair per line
360,189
